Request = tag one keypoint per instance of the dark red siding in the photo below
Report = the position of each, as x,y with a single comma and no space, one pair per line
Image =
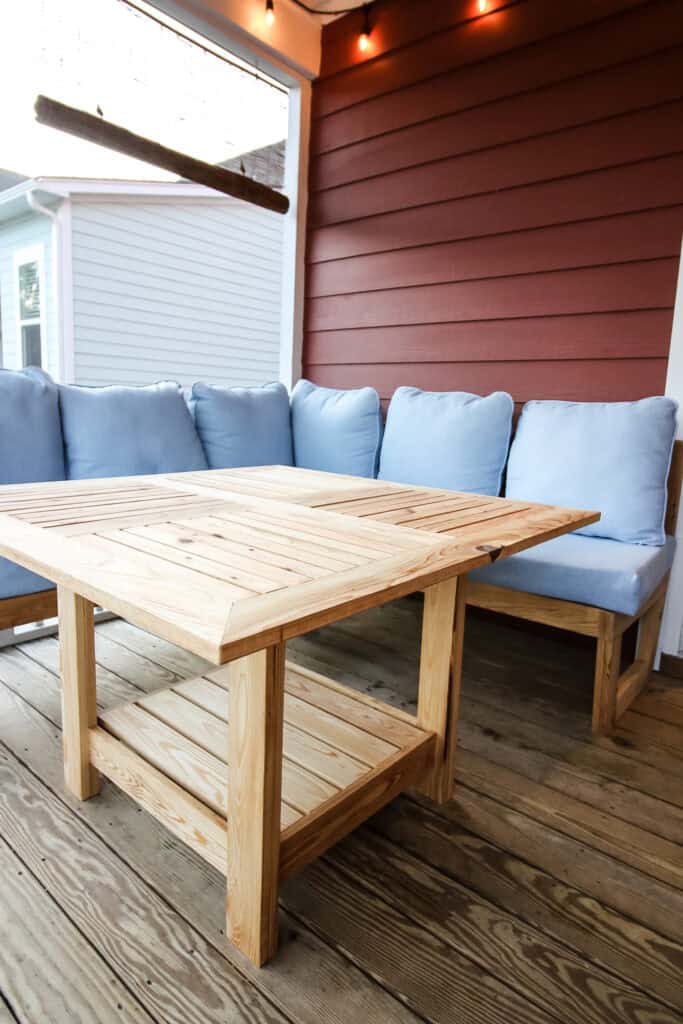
497,200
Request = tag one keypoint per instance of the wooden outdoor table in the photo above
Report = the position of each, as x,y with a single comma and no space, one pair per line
260,766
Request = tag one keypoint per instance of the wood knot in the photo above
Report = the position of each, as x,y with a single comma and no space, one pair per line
491,550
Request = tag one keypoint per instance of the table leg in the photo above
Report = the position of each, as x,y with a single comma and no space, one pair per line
255,725
439,686
79,710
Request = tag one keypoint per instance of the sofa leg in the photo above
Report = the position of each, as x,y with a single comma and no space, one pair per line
607,670
636,676
614,690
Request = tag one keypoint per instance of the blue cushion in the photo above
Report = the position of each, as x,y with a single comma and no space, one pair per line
243,426
336,431
30,430
609,456
124,431
15,580
447,439
31,450
589,570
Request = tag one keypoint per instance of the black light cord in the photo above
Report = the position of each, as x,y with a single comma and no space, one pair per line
365,7
325,13
245,69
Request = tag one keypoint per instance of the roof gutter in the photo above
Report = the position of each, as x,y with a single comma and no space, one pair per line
39,208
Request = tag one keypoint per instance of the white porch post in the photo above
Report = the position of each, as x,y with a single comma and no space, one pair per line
294,242
671,635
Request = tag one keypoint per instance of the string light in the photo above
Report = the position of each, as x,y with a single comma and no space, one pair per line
364,37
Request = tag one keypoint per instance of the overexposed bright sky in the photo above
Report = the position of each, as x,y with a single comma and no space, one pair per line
102,52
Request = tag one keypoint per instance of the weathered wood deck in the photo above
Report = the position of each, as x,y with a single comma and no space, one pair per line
548,891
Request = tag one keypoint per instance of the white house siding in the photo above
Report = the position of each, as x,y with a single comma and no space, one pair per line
16,235
186,290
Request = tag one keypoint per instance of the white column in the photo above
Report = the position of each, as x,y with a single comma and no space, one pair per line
67,354
294,242
671,635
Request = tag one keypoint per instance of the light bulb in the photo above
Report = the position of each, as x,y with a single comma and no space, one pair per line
270,13
364,37
482,6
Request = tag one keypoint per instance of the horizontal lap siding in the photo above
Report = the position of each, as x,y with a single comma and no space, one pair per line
591,380
173,289
497,202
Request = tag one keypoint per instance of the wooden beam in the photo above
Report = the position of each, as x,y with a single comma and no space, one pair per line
104,133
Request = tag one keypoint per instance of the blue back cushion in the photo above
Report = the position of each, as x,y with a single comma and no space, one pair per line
336,431
30,430
447,439
243,426
609,456
31,450
124,431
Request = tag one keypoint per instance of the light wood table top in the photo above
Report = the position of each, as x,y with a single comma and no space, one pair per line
226,562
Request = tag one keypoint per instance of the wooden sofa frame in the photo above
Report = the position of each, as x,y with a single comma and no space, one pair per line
614,689
18,611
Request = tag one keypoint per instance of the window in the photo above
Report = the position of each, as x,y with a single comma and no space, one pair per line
30,289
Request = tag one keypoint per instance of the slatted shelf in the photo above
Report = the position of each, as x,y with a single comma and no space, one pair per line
344,756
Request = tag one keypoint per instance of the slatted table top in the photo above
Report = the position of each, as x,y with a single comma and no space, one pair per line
225,562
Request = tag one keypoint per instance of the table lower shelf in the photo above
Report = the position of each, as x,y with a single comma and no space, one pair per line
345,756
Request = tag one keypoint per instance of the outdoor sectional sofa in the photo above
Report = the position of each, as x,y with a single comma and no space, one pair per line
614,457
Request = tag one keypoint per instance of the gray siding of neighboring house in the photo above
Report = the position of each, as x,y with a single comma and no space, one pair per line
16,235
176,289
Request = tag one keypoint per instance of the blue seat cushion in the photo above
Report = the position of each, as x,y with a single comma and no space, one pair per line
30,430
16,581
611,457
588,570
447,439
243,426
336,431
125,431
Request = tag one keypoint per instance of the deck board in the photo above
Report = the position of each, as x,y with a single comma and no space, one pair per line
47,969
549,890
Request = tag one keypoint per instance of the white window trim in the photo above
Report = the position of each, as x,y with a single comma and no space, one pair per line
3,326
31,254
